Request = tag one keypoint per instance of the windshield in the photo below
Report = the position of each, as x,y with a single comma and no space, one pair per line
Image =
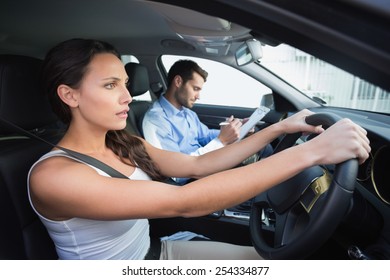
319,79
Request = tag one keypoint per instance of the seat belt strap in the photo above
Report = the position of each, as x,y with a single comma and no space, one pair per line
84,158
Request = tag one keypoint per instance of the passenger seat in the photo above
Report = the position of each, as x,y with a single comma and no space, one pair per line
138,84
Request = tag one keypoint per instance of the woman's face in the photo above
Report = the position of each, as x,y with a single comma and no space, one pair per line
103,98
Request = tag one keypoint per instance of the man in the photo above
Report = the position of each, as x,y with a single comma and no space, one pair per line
170,123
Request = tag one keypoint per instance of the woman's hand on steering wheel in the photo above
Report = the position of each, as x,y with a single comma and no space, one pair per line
342,141
297,123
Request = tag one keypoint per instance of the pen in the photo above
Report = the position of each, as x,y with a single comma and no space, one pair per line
228,122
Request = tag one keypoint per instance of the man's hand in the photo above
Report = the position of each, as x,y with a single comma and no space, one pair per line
252,129
230,131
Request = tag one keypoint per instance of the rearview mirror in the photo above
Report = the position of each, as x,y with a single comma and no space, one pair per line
248,52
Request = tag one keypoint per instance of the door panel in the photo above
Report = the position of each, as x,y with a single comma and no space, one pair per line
212,115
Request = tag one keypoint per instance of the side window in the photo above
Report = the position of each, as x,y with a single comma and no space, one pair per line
223,81
131,58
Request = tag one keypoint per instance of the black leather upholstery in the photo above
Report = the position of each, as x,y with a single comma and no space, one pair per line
21,99
138,78
138,84
22,235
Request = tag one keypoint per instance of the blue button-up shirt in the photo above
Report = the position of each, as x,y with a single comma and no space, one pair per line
169,128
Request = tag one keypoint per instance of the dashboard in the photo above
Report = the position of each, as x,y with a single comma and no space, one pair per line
374,174
369,217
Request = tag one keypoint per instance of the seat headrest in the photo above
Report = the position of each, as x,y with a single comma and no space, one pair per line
138,78
22,100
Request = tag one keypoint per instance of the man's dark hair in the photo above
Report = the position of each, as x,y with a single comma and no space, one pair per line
185,69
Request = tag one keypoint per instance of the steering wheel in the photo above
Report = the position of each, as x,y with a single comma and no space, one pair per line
304,211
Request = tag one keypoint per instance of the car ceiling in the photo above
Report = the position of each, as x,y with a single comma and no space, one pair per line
353,35
132,26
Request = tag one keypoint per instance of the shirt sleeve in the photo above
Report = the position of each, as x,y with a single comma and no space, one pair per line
207,137
157,133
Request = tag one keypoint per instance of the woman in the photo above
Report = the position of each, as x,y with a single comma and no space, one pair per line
92,216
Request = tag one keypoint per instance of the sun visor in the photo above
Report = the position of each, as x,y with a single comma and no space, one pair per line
217,33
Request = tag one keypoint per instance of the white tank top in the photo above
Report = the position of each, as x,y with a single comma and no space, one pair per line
78,238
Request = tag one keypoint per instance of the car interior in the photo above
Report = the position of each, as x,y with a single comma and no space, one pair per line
138,85
360,229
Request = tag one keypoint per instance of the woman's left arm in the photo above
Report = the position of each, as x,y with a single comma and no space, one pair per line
173,164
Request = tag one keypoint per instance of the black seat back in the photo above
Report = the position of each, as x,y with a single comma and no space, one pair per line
22,235
138,84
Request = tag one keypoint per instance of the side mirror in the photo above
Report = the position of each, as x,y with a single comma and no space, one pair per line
248,52
319,100
267,100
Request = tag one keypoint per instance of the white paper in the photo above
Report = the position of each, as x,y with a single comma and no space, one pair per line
256,116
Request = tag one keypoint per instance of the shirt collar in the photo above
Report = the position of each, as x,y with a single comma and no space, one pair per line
169,109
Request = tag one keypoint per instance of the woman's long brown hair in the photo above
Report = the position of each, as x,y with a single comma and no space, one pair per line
66,64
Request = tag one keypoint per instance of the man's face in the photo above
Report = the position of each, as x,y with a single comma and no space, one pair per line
189,92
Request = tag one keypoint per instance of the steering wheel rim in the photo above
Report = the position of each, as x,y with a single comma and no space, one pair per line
299,232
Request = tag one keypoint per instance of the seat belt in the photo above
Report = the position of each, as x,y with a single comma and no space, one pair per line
84,158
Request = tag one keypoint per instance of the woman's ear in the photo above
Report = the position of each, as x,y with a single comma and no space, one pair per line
68,95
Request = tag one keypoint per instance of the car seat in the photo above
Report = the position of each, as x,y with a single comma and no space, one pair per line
22,102
138,85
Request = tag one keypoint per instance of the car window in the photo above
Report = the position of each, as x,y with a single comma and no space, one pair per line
223,81
316,78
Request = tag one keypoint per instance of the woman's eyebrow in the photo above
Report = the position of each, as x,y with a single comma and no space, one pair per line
111,78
